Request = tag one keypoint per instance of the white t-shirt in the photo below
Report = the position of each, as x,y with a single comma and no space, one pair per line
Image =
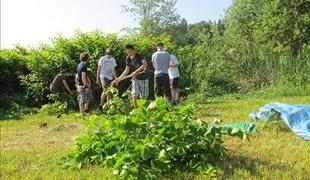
107,66
173,71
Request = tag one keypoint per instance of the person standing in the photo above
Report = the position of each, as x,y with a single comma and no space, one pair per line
160,61
84,83
174,75
135,66
105,73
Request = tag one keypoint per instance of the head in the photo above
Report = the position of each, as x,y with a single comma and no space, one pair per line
130,50
108,52
66,72
160,46
84,57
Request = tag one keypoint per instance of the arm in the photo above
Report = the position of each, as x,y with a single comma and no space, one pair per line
66,86
174,65
174,62
98,75
113,69
114,73
142,67
84,78
129,76
122,76
153,61
88,81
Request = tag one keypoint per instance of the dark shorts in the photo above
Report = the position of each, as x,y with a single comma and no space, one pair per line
105,83
162,85
174,83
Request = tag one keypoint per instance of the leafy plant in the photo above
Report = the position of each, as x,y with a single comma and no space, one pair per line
154,140
117,105
55,108
17,111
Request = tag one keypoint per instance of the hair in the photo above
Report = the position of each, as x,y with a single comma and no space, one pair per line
108,51
160,44
84,56
66,70
130,46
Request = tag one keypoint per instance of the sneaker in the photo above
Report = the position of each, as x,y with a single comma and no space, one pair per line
174,102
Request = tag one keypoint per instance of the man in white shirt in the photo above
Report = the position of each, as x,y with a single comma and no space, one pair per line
105,73
174,75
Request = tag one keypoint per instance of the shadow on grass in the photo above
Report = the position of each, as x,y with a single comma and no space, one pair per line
248,164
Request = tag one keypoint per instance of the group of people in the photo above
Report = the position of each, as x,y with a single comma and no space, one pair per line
166,76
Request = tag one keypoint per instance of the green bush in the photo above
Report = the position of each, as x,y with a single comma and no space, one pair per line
54,108
151,141
46,61
13,64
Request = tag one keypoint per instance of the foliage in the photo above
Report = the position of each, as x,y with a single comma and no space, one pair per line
56,108
155,139
12,63
45,62
17,111
70,100
267,40
154,16
258,44
118,105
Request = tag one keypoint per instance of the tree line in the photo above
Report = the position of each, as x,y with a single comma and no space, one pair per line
258,44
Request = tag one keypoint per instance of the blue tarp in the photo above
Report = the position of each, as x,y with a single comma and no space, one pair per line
296,116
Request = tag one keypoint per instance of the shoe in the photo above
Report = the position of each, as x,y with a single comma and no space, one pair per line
87,111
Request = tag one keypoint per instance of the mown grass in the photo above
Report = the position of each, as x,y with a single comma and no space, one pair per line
272,152
31,152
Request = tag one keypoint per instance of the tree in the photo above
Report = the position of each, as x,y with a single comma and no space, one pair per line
154,16
200,28
281,24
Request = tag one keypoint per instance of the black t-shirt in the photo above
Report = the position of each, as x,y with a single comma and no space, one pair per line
134,64
81,68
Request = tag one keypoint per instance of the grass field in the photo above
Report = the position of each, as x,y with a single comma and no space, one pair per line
31,152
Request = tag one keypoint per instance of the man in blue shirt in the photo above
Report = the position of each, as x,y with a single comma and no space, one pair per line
84,83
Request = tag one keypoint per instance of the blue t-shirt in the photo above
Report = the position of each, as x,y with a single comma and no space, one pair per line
81,68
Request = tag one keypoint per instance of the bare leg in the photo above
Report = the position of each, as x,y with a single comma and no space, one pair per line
86,106
103,98
177,97
82,109
174,94
134,102
109,97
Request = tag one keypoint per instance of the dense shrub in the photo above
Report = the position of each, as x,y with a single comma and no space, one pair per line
46,61
13,65
261,44
151,141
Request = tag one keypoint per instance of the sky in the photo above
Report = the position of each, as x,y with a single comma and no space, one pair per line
30,22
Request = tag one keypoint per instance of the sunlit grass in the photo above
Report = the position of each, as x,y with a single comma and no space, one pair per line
29,151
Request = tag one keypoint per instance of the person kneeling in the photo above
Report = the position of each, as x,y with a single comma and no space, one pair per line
59,84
